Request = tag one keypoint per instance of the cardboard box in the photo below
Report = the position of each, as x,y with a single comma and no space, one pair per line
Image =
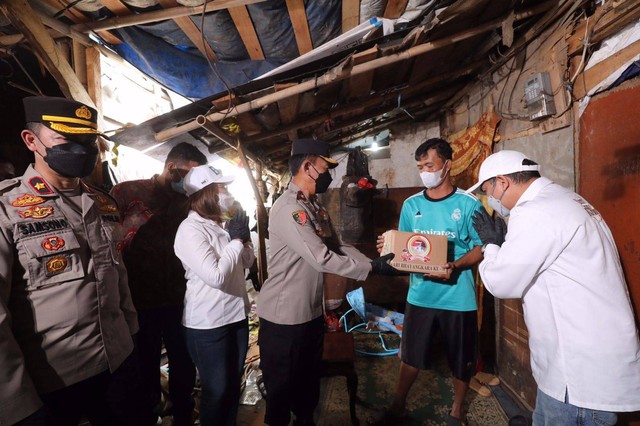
419,253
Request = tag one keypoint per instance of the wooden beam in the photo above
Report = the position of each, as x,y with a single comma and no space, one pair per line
247,31
298,17
191,31
359,86
340,72
350,14
288,108
94,77
160,15
80,61
395,8
374,101
116,7
25,20
248,124
63,30
288,112
588,79
72,13
607,20
79,18
12,39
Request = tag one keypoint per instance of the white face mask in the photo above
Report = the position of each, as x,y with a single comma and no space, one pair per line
225,201
433,179
496,204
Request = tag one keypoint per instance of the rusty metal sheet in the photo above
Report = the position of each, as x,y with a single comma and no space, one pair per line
609,169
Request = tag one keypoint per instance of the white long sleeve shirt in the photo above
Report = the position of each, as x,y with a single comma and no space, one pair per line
216,291
560,258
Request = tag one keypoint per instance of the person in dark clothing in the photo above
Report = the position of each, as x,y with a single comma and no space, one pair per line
151,211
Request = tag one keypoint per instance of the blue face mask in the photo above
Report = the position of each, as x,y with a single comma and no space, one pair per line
179,187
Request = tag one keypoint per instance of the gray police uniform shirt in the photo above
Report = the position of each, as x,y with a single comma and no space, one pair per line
300,237
65,309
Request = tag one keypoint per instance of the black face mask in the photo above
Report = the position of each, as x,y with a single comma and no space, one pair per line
322,181
72,159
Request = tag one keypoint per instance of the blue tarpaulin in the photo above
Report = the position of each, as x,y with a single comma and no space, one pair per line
162,51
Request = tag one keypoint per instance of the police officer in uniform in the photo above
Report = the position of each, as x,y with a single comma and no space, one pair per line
303,247
66,316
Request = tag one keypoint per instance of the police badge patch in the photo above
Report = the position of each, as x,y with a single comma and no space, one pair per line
36,212
300,216
27,200
56,265
108,208
53,243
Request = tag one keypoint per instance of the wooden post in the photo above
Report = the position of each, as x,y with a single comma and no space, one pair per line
80,61
261,211
94,79
94,87
262,221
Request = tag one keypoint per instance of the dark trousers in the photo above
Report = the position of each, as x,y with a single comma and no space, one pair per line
160,325
291,360
219,354
107,399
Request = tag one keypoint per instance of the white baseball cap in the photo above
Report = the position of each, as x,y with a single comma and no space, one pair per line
502,163
201,176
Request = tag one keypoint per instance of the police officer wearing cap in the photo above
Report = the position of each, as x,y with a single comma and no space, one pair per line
303,247
66,316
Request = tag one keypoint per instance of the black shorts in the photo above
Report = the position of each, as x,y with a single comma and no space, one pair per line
459,331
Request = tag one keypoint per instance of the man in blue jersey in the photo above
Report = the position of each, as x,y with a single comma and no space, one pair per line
445,302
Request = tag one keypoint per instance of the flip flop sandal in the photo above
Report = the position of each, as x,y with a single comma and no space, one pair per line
478,387
487,379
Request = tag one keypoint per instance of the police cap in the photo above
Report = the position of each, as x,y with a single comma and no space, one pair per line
314,147
71,119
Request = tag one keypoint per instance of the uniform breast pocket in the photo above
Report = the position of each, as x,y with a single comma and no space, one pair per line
112,232
53,259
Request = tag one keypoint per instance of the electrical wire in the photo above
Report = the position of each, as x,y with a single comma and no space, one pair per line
565,21
230,106
65,8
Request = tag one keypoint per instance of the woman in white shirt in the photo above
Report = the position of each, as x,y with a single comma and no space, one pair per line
216,303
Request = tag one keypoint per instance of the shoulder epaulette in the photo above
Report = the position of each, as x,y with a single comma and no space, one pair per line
96,190
8,184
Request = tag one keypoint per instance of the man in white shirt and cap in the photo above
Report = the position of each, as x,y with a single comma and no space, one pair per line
558,255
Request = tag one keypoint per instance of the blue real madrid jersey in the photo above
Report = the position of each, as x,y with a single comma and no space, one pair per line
450,216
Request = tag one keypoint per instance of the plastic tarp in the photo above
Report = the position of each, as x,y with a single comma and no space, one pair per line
162,51
630,34
182,71
349,39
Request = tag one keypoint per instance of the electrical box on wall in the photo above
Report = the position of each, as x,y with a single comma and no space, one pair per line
539,96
